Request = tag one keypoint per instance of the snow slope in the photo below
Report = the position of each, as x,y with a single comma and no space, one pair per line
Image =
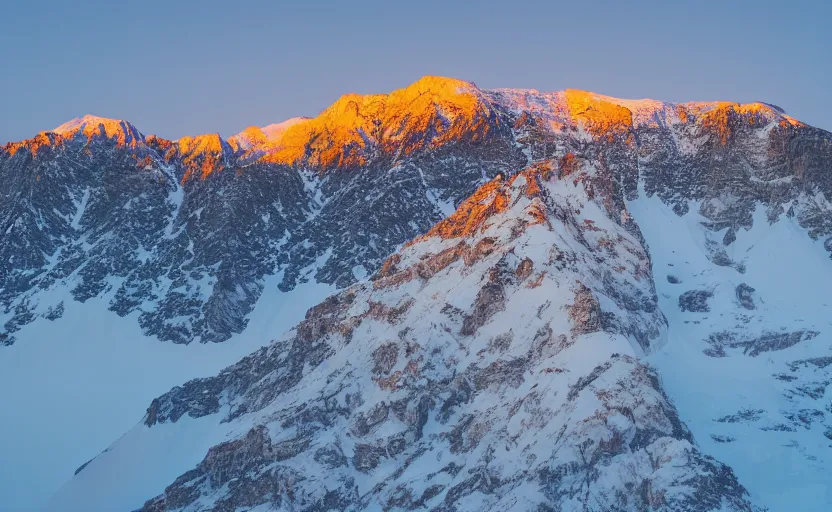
763,415
91,373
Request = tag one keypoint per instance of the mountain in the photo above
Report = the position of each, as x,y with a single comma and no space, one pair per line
490,363
701,223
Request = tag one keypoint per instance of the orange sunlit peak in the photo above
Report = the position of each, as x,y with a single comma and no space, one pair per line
265,137
91,125
435,83
73,125
713,108
395,123
202,155
252,136
206,143
274,131
600,114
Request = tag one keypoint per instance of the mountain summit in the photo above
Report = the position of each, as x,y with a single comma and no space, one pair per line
91,126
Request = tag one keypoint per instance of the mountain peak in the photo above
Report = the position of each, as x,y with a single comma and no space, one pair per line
205,142
203,154
427,112
77,123
90,125
440,84
275,130
598,113
256,137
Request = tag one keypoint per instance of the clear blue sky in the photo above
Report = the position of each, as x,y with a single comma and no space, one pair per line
180,67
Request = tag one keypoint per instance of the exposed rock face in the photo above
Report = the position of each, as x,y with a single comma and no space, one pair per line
754,346
695,301
745,296
585,312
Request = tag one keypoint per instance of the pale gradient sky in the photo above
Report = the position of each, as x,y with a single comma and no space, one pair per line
187,67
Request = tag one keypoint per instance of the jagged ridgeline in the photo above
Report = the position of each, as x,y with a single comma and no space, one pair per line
184,232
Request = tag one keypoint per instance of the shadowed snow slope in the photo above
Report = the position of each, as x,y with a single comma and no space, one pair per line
489,365
748,374
83,379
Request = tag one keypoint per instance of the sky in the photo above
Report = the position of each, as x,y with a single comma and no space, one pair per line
185,67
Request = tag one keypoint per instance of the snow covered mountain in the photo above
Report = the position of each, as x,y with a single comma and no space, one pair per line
199,239
491,363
